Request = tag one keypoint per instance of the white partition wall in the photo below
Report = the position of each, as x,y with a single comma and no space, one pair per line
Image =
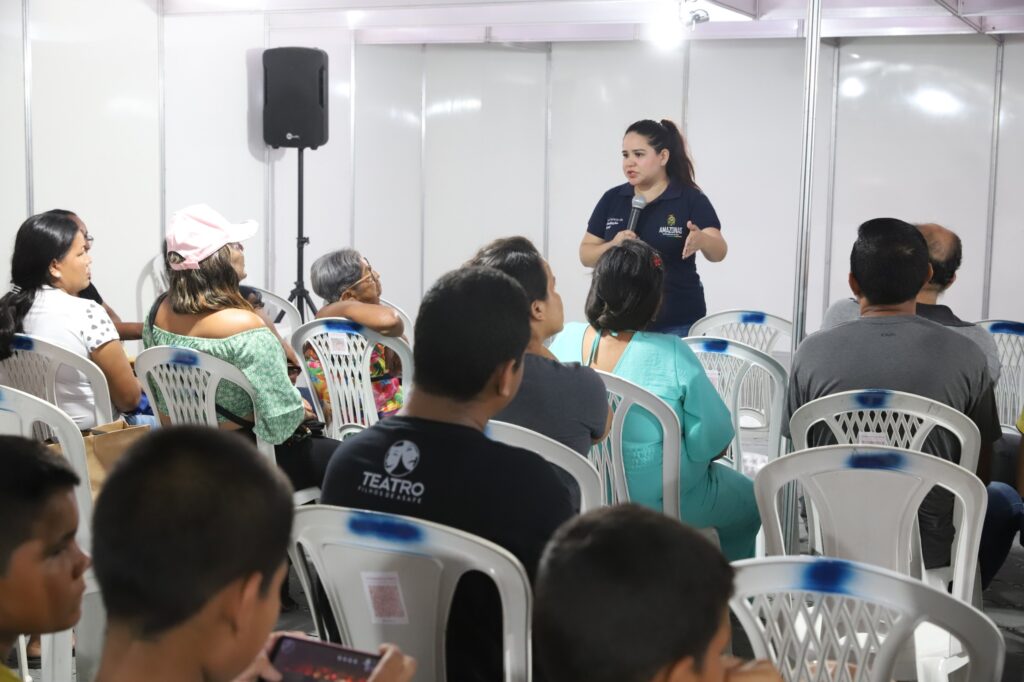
483,172
388,182
1007,283
597,91
13,202
914,136
95,130
213,77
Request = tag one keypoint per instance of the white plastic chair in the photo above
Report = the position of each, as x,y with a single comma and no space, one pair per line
281,312
344,348
858,489
606,456
33,368
730,365
901,420
391,578
187,380
562,456
19,413
151,283
816,619
407,322
1009,337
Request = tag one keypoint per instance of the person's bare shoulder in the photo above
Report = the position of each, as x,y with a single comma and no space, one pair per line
225,323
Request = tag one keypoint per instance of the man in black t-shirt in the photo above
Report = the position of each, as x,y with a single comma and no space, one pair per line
433,461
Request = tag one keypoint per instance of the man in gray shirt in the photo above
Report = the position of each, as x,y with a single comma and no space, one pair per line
889,347
945,253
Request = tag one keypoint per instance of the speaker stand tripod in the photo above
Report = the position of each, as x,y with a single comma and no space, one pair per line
299,295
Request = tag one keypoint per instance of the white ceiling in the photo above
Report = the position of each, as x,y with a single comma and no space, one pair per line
445,21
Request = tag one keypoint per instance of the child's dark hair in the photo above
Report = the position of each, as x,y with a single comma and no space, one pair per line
626,289
187,511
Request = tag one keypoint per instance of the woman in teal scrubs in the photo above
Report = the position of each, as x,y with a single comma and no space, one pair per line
624,297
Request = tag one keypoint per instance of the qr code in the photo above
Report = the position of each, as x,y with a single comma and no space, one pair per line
386,601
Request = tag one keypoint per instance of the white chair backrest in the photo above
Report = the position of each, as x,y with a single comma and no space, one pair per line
33,368
820,620
407,322
344,348
562,456
281,312
391,578
19,414
901,420
1009,336
151,283
730,365
752,327
858,489
606,456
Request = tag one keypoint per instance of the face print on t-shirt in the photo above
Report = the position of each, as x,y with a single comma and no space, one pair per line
396,478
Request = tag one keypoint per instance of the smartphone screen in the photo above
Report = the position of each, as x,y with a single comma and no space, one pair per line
302,660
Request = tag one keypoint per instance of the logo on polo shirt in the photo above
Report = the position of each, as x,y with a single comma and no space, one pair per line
671,220
401,459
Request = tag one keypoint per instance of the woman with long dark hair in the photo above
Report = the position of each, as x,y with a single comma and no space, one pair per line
49,268
624,297
677,219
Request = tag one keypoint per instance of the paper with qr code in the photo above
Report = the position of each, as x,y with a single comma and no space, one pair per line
339,344
872,438
384,595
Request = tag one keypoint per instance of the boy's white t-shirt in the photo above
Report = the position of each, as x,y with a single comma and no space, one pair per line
80,326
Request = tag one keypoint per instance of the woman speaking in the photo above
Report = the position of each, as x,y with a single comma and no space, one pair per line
673,216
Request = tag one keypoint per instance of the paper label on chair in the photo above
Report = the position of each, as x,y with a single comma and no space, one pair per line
713,377
384,595
872,438
339,344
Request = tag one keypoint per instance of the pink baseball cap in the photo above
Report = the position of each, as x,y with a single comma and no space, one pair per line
197,232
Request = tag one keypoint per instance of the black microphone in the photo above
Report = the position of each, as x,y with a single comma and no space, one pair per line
638,204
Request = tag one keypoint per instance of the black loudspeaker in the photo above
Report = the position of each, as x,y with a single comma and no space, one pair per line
295,97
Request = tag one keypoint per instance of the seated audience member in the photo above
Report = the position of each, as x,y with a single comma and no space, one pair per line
42,568
567,403
189,542
458,476
624,297
351,288
625,594
204,310
944,253
49,268
890,347
128,331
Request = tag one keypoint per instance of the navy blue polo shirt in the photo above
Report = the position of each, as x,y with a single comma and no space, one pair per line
662,224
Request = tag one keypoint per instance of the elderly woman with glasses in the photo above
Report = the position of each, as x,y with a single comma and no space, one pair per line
351,289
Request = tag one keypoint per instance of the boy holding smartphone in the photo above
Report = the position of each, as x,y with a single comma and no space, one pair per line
189,543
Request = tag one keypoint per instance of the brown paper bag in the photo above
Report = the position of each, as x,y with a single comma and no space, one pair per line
104,446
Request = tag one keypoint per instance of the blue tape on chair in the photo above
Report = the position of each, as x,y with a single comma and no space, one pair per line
1016,328
186,358
831,576
342,326
715,346
20,342
752,318
876,460
393,530
873,399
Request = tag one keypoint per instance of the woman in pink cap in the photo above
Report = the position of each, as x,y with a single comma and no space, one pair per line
203,309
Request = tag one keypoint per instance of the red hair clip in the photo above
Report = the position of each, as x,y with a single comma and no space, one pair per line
656,259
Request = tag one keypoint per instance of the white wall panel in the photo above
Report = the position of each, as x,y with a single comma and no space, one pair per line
1008,246
13,206
328,170
745,125
484,160
95,130
915,118
597,91
213,120
388,226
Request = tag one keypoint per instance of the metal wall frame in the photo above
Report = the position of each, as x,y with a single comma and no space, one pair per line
993,181
26,65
